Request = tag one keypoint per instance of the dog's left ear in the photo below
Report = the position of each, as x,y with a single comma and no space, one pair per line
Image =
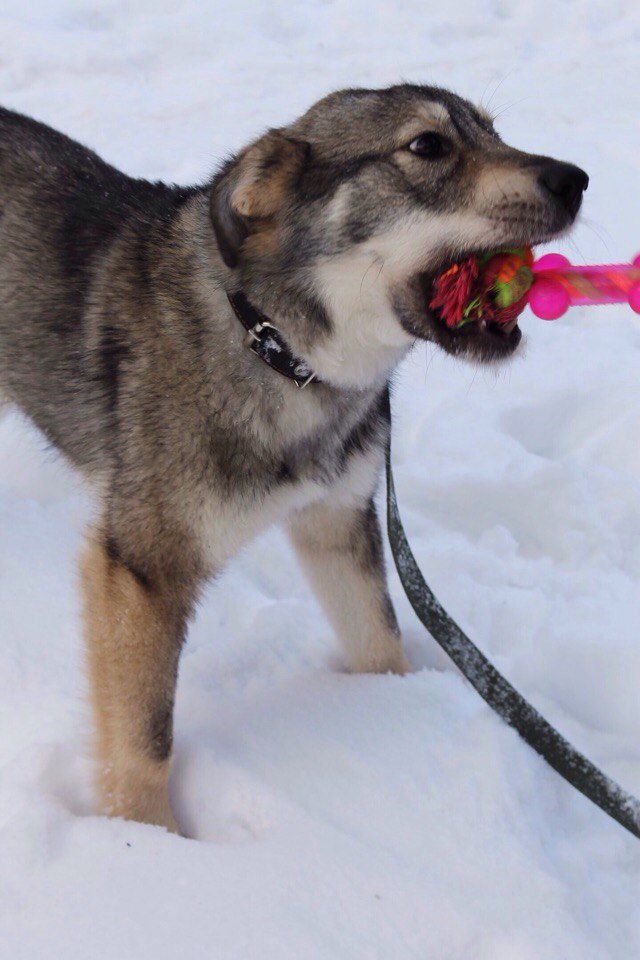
253,188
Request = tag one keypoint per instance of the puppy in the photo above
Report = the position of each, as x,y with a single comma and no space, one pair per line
124,311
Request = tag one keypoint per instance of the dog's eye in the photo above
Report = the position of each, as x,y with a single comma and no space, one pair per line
431,146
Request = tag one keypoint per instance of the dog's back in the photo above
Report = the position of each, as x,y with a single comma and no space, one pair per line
61,210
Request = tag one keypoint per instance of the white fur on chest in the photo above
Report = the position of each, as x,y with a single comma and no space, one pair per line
224,525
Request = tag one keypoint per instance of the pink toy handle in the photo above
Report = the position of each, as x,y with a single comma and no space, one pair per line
558,285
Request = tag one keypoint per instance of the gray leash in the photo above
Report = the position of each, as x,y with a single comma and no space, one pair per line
492,686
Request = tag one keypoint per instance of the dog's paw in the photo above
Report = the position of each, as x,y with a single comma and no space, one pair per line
382,662
141,806
164,818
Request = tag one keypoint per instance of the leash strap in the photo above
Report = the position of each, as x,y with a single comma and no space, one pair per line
492,686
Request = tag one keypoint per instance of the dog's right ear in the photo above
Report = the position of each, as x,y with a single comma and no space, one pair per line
253,188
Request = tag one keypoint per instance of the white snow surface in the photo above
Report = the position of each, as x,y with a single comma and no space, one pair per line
337,816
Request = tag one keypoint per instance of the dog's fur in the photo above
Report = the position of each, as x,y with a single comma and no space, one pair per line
118,341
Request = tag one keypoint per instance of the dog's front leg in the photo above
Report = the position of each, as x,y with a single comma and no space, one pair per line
134,631
340,548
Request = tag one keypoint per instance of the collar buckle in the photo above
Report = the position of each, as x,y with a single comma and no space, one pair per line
265,340
254,333
303,377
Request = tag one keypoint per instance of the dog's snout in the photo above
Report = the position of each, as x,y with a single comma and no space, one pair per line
566,183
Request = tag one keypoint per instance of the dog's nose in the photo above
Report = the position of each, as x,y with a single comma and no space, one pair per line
565,182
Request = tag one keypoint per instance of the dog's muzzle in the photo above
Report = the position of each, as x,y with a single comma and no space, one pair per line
566,183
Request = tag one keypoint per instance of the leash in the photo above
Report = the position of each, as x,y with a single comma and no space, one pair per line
266,342
503,699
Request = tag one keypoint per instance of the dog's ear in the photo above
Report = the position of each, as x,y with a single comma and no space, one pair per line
253,188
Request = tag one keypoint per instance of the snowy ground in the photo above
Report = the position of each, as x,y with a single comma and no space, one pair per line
364,818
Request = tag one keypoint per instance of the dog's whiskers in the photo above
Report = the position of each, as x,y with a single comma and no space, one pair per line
487,106
501,189
373,262
601,232
509,106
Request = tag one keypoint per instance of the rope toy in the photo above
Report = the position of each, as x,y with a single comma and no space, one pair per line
496,287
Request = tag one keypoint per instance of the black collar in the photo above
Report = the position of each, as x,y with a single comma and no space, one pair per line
269,344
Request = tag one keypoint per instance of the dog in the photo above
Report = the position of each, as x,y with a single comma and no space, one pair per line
215,359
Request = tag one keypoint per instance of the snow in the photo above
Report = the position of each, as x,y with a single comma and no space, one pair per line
342,816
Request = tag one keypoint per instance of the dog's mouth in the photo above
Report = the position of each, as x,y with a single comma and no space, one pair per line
467,311
485,339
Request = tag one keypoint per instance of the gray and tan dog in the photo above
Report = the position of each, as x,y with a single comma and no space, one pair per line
119,341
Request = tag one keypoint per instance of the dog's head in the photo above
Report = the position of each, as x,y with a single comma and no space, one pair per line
337,225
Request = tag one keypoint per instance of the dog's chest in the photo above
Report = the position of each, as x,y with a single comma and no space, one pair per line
339,460
225,523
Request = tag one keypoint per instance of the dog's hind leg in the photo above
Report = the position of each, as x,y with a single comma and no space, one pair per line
340,549
134,632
